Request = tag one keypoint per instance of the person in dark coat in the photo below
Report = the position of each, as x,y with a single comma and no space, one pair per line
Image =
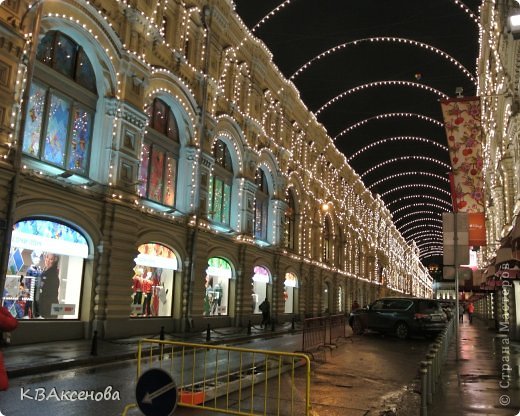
8,323
50,284
265,308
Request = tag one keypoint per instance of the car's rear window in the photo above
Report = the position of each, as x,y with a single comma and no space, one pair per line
400,304
427,306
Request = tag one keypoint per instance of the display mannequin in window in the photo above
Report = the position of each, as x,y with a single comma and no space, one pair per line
50,284
137,284
32,310
147,290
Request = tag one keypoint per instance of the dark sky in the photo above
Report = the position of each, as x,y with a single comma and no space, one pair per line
304,29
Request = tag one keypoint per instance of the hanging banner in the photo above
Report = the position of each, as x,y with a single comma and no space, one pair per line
477,229
463,131
462,124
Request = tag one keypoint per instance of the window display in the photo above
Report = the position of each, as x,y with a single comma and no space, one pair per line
44,284
216,292
260,280
291,282
152,281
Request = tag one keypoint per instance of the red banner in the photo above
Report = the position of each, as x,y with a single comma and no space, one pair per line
477,229
462,123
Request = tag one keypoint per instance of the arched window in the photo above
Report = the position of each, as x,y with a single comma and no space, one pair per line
327,241
61,107
290,222
340,259
216,295
45,270
160,155
261,206
221,184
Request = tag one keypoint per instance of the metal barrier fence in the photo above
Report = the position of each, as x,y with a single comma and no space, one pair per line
314,334
431,368
230,380
337,328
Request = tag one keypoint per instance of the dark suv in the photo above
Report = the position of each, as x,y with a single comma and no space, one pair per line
401,316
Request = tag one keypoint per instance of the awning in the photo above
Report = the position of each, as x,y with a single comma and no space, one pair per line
515,232
504,254
512,273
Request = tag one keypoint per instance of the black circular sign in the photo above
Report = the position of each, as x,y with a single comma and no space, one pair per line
156,393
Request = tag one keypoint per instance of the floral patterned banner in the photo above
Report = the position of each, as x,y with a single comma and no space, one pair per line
462,123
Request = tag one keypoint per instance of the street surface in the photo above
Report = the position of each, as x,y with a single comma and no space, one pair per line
362,376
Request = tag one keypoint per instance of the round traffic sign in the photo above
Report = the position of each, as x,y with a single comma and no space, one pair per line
156,393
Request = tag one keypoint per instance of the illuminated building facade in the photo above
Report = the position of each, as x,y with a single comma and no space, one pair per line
154,163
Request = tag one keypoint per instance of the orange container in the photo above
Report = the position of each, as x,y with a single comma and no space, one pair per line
191,397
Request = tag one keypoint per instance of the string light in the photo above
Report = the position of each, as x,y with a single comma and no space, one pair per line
382,39
338,97
415,185
412,173
416,197
386,116
405,158
396,139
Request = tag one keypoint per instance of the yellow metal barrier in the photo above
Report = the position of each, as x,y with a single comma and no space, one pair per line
230,380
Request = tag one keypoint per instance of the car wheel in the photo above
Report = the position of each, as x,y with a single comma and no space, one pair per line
401,330
357,327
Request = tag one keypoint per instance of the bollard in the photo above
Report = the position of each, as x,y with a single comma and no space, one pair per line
424,388
436,349
293,320
93,349
430,381
249,327
161,334
208,333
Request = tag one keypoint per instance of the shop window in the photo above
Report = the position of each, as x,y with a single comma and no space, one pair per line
220,189
260,280
327,241
61,107
153,280
44,275
159,155
216,295
290,223
341,299
261,206
289,292
325,298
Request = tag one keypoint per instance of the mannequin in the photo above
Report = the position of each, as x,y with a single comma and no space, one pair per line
147,290
137,286
32,309
50,284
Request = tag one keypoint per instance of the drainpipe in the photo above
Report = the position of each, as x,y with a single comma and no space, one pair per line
17,160
188,322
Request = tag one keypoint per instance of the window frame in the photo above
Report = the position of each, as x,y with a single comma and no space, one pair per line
160,141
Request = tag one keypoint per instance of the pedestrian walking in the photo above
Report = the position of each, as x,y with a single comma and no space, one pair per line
471,309
461,312
355,305
265,308
8,323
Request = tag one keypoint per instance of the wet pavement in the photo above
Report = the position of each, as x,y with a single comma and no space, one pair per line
355,378
485,380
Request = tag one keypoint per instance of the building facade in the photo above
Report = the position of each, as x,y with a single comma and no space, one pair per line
499,89
157,170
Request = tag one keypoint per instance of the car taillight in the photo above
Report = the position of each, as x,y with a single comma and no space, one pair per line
422,316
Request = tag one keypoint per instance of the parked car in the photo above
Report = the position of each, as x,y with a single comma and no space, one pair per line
448,306
401,316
